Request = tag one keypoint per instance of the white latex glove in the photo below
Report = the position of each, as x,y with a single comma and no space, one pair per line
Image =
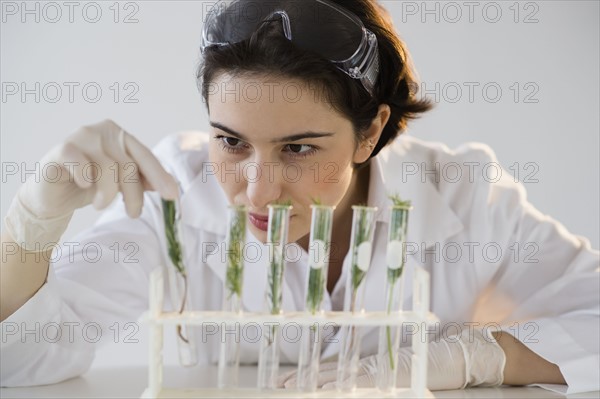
41,210
457,362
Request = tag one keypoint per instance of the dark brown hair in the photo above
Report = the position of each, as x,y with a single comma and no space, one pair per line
269,52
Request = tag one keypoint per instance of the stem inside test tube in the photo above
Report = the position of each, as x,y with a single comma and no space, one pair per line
389,336
229,357
318,264
178,278
361,241
268,360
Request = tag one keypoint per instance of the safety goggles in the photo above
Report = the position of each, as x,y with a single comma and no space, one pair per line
320,26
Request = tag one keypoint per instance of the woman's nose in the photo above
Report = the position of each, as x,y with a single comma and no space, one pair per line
262,185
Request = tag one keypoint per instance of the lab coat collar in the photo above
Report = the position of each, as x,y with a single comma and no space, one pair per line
431,220
204,204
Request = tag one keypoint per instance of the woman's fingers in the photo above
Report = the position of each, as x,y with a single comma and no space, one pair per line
106,178
126,165
75,162
103,160
326,378
328,366
327,374
127,172
285,377
132,188
151,168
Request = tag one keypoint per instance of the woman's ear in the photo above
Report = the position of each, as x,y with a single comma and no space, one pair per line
371,136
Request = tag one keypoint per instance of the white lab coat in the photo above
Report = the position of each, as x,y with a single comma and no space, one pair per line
551,305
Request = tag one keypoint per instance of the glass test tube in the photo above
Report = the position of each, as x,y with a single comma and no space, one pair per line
361,241
318,265
268,358
229,356
389,336
178,280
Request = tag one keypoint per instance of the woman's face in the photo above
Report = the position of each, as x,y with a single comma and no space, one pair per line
275,140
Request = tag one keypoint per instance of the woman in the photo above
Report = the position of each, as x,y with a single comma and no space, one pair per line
303,103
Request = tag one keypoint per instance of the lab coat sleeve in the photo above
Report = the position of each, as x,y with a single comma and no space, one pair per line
97,283
97,286
545,291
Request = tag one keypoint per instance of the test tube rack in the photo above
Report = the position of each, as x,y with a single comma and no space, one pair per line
156,320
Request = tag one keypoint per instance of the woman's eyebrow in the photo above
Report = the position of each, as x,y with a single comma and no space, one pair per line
287,139
301,136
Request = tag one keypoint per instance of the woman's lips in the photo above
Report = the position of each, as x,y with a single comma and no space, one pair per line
261,222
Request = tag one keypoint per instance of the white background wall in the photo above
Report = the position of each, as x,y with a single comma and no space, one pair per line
553,58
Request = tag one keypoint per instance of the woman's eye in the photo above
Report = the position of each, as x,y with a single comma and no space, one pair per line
230,144
231,141
300,149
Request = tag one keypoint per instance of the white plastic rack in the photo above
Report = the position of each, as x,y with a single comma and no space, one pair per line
156,320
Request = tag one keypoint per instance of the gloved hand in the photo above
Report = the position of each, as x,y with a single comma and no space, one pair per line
457,362
94,163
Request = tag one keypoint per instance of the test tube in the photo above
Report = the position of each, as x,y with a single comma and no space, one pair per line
229,356
389,336
361,242
178,280
268,358
318,265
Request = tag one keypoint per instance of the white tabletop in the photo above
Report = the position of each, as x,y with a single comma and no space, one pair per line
131,382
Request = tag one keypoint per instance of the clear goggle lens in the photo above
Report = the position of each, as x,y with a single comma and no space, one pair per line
315,25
